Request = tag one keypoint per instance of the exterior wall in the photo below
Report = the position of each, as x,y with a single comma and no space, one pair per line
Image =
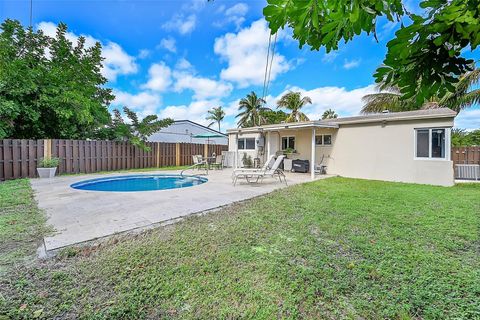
182,131
368,151
387,152
257,152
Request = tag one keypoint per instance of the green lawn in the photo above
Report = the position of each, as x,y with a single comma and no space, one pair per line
22,225
331,249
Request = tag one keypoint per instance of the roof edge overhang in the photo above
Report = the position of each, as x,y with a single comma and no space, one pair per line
404,118
284,126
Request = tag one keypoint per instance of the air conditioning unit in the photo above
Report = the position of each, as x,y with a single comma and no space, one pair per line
467,171
260,141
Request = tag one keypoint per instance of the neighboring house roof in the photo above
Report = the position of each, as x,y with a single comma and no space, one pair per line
199,125
377,117
183,131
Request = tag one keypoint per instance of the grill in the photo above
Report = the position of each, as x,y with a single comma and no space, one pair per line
300,165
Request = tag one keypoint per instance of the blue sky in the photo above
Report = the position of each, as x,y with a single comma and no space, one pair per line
180,58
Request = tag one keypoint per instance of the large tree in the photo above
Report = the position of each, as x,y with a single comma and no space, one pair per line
250,111
427,55
136,131
464,95
216,115
50,87
294,102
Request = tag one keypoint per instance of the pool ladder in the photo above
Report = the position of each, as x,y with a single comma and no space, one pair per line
193,167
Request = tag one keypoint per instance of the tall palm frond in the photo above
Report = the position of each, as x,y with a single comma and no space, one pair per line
294,102
251,109
463,96
390,97
216,115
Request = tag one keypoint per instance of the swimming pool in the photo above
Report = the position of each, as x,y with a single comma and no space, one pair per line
132,183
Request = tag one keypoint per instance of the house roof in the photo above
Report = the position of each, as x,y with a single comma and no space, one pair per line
377,117
199,125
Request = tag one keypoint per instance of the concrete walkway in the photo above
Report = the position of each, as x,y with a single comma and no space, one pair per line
80,216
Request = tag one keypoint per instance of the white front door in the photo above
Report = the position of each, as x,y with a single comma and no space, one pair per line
273,143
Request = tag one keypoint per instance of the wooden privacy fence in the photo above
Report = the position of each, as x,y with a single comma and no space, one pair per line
466,155
19,158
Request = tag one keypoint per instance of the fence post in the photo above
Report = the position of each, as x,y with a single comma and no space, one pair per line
205,150
177,154
158,154
47,148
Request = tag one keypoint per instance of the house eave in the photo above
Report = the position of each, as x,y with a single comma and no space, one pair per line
284,126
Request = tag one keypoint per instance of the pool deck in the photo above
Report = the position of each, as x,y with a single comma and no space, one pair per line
79,216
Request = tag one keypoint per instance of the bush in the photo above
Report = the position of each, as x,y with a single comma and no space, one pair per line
49,162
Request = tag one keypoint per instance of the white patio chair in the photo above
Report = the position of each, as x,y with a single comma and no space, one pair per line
198,162
260,174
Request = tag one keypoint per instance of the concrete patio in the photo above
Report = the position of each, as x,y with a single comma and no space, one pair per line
79,216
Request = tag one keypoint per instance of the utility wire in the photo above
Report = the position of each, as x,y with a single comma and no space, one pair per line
271,63
266,66
31,12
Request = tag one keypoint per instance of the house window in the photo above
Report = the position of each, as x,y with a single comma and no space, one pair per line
431,143
246,144
288,143
323,140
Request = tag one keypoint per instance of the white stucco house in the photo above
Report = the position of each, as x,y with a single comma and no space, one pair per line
412,146
183,131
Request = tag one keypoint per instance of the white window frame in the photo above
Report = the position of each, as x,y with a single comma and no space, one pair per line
288,137
245,144
323,140
448,132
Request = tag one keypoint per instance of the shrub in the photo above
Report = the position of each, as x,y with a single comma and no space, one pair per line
49,162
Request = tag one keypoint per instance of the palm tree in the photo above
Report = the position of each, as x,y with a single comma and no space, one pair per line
390,97
329,114
251,108
216,115
293,101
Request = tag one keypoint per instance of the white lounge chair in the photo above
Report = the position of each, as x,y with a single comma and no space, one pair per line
260,174
267,165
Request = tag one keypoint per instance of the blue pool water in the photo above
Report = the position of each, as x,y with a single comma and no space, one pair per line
133,183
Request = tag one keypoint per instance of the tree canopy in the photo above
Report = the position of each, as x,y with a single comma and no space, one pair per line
464,95
53,88
424,60
50,87
294,102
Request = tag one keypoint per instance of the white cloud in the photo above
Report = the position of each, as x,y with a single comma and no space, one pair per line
117,61
235,14
203,88
144,53
329,57
168,44
240,9
246,54
344,102
468,119
184,64
180,23
195,111
144,103
160,77
350,64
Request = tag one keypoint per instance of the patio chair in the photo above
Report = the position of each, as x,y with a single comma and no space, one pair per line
260,174
198,162
218,164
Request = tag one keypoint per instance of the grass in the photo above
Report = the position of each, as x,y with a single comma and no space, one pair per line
22,224
332,249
